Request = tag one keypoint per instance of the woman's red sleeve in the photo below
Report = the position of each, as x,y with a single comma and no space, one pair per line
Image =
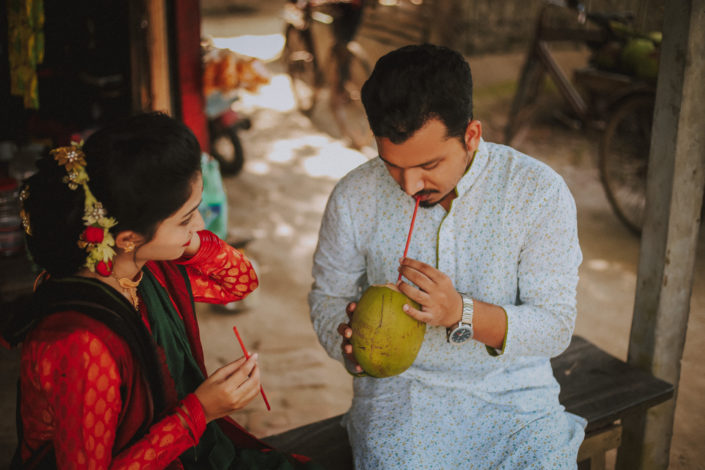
72,396
218,272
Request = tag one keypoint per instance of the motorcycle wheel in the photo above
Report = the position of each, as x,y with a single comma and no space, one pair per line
227,149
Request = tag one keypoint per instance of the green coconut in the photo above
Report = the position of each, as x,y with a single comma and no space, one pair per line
640,57
385,340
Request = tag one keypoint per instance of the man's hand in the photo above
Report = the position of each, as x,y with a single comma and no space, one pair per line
345,331
441,304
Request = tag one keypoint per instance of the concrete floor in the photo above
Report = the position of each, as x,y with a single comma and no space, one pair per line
277,201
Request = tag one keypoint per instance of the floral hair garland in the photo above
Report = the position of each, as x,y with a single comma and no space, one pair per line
95,238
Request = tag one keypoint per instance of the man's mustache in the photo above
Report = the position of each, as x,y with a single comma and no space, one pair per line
425,192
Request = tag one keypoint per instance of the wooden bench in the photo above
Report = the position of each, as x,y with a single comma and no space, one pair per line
595,385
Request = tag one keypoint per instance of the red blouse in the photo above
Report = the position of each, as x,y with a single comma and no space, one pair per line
75,374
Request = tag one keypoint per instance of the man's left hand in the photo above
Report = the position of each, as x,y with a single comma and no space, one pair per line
441,304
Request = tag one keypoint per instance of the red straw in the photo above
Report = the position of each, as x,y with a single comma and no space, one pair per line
247,356
411,229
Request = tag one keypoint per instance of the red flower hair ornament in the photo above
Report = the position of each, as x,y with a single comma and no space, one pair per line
96,238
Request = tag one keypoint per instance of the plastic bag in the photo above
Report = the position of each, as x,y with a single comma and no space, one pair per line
214,206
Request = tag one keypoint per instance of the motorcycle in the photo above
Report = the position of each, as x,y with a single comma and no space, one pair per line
224,123
224,73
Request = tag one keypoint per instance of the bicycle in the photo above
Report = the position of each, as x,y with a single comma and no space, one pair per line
603,96
346,69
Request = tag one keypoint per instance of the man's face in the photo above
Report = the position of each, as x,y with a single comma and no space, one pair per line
430,163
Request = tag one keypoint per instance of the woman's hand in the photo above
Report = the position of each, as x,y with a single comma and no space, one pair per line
345,331
229,388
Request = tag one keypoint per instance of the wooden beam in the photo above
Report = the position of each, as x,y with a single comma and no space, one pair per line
669,241
158,46
595,446
139,57
149,57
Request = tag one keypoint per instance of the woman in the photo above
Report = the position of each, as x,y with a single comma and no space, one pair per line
112,371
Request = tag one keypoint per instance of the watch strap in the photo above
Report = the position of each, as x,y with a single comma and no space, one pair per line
467,315
468,311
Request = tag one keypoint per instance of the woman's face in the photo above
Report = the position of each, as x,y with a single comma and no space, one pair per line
175,232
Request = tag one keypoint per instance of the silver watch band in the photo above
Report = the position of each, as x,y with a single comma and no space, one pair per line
464,330
468,310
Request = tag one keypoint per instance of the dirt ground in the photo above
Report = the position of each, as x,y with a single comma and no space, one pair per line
277,201
291,166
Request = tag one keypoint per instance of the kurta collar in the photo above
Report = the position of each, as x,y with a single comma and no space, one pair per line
479,163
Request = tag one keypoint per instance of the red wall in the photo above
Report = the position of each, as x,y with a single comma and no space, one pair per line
187,19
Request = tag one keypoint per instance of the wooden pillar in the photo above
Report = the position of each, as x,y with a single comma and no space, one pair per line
139,58
149,56
670,233
158,46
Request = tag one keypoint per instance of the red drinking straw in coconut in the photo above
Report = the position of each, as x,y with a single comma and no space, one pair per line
411,229
247,356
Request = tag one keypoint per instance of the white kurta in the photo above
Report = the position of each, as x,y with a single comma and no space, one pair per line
510,239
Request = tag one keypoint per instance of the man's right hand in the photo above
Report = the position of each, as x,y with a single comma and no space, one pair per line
345,331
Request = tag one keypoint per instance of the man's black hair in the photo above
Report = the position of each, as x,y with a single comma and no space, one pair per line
416,83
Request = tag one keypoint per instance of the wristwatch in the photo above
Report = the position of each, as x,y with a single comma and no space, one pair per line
463,331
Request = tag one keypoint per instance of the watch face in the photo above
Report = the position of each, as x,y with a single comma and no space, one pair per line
461,334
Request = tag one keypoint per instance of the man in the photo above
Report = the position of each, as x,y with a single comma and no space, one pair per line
493,263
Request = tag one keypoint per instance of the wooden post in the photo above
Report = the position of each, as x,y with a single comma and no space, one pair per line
158,46
149,56
139,57
669,239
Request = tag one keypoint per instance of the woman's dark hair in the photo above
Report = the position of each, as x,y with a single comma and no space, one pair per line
416,83
141,170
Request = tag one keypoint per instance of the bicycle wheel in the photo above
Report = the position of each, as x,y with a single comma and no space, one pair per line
348,71
624,158
302,67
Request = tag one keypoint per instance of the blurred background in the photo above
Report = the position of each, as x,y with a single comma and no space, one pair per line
271,90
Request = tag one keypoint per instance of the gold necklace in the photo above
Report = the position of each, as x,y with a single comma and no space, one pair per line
130,287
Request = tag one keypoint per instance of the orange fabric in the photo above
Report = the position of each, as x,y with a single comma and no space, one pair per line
76,374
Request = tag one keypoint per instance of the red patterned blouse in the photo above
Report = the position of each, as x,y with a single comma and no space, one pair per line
81,389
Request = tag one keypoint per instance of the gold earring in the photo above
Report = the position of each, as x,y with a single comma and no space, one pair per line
129,247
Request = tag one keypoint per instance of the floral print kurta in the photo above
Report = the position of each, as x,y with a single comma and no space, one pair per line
510,239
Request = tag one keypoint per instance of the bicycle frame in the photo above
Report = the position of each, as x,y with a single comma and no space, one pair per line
618,104
545,34
607,89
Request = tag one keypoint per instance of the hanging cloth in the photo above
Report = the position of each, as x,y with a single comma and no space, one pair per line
26,48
